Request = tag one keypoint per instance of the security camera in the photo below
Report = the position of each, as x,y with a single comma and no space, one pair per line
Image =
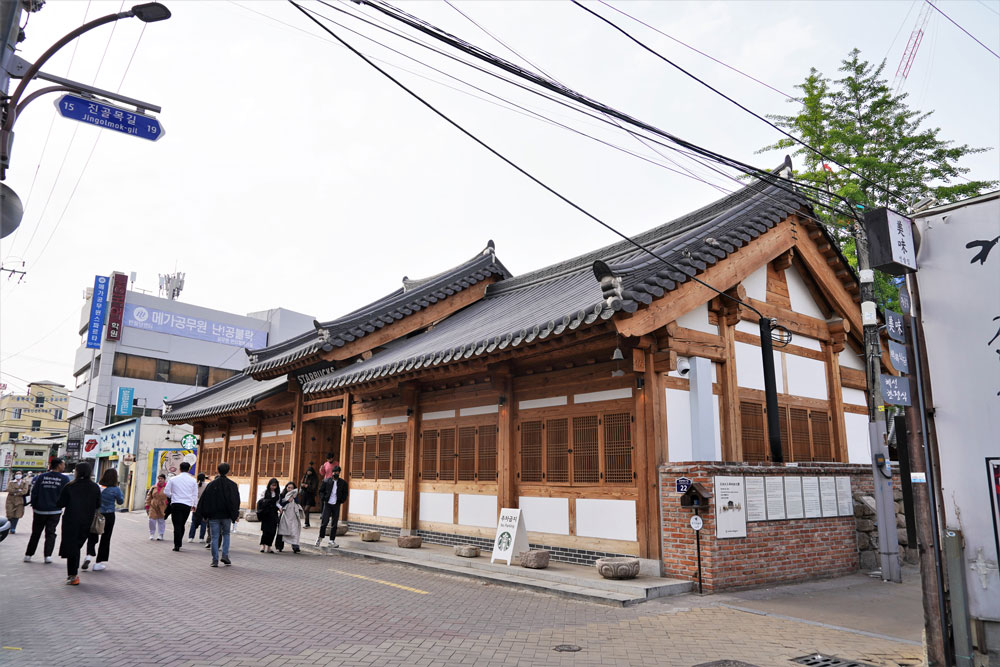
683,366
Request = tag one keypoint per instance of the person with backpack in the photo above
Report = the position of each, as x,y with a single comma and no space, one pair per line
81,499
45,490
220,506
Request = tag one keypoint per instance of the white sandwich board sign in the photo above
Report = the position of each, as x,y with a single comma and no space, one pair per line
512,538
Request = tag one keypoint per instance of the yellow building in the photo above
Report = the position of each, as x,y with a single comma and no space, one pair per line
41,413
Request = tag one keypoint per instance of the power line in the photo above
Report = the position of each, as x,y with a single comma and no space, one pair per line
625,237
953,22
988,7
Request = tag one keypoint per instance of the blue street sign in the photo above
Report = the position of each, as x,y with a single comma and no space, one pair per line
682,484
97,305
125,395
113,118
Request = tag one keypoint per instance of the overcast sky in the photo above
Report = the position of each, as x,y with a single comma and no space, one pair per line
293,174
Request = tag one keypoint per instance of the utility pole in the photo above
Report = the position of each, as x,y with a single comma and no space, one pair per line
10,33
885,507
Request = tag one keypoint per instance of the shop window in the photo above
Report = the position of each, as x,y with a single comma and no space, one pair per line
586,460
181,373
162,373
467,454
805,433
201,377
16,413
587,449
379,456
557,450
531,452
36,424
39,401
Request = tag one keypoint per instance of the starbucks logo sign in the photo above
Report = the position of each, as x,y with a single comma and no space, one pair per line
503,542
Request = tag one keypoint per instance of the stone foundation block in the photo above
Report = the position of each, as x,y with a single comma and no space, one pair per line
409,542
342,529
618,568
371,536
536,559
467,550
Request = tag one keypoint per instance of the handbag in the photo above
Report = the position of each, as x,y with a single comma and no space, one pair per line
97,524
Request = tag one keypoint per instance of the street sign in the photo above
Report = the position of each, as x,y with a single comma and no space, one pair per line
189,440
894,325
904,300
125,396
696,522
895,390
682,484
114,118
897,355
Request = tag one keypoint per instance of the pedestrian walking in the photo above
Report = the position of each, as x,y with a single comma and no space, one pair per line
332,494
290,522
220,506
307,491
326,470
17,493
111,495
197,521
156,508
81,499
182,490
267,514
45,490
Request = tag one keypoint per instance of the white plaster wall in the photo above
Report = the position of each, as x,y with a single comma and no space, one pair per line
437,507
678,425
390,504
806,342
717,428
756,284
552,402
697,319
853,396
749,369
858,450
751,328
806,377
609,519
244,492
545,515
479,410
362,501
849,359
608,395
399,419
799,296
439,414
477,510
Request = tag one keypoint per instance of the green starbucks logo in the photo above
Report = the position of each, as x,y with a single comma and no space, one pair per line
503,542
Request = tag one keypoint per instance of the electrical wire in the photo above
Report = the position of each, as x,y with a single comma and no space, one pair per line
687,273
988,7
955,23
900,28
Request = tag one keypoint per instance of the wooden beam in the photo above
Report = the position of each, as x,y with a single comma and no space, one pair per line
411,483
506,447
836,396
255,459
729,401
777,285
691,343
345,449
298,433
723,275
853,378
645,509
227,426
655,441
418,320
824,272
797,323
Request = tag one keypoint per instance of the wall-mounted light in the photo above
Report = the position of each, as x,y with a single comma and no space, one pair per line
502,400
640,382
292,426
409,412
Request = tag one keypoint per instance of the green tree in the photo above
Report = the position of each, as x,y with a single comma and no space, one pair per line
861,124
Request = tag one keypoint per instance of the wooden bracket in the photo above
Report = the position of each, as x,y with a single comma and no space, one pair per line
784,260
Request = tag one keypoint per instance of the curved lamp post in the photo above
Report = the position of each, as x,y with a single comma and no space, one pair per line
149,12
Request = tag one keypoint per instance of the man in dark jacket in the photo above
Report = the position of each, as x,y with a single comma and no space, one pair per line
45,492
332,494
220,506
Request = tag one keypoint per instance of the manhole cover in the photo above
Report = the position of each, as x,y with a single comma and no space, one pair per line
725,663
567,648
820,660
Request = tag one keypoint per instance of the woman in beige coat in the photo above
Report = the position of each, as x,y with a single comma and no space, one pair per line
156,508
17,489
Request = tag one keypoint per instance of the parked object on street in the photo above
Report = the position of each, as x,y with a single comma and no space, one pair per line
156,508
45,492
618,568
81,498
290,521
111,495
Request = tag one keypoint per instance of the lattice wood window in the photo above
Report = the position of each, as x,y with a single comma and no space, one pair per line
398,455
588,449
241,464
358,456
383,465
805,433
274,459
459,454
209,459
379,456
371,456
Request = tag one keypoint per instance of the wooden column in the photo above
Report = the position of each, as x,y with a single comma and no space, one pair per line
298,432
345,450
255,460
506,447
645,511
227,425
411,482
728,314
831,357
656,430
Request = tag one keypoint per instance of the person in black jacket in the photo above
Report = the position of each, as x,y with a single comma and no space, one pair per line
332,494
307,490
81,499
45,490
220,506
267,514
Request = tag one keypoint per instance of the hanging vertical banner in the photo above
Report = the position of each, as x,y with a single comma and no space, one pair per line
97,304
894,325
119,285
125,400
897,355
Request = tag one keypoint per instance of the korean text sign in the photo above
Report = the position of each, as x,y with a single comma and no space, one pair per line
154,319
119,285
97,307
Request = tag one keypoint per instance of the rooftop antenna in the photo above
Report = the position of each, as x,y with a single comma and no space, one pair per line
171,285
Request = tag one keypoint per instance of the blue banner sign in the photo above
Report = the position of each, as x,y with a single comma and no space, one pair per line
110,117
895,390
97,308
125,398
897,355
154,319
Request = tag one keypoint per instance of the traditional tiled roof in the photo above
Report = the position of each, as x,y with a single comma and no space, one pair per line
566,296
411,298
233,395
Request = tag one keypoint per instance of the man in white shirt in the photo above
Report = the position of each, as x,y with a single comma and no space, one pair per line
333,494
183,493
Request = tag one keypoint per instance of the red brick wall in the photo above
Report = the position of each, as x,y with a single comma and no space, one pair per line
772,551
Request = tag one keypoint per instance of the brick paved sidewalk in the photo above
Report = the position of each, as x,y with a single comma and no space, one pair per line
156,607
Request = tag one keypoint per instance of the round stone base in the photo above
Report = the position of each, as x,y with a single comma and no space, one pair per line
618,568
